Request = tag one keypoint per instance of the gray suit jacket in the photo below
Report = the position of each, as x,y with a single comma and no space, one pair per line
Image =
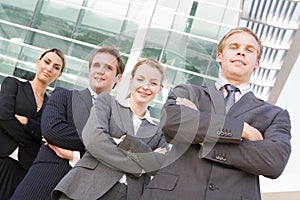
105,162
223,166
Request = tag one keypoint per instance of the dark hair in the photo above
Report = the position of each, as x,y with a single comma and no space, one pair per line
112,51
59,53
153,63
240,30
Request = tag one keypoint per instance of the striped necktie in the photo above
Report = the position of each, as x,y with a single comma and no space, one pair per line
230,98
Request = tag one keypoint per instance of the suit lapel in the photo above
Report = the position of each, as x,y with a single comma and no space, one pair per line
123,116
245,104
217,99
29,95
86,97
81,107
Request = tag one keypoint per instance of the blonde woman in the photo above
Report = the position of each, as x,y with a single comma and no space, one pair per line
123,143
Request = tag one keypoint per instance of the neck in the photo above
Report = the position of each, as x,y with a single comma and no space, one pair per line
138,109
38,87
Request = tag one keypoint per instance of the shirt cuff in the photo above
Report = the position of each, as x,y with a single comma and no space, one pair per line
76,158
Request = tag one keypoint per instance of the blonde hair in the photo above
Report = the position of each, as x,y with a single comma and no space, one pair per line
153,63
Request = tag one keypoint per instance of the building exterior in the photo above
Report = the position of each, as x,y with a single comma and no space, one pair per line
182,34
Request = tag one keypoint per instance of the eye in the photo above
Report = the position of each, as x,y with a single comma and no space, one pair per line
108,67
139,79
251,50
233,46
47,61
57,67
154,83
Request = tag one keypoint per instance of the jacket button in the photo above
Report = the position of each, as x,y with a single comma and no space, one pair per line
212,187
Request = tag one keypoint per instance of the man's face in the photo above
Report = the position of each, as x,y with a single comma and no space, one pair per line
239,58
103,73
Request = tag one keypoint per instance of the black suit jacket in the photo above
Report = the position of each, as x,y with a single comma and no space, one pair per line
65,114
17,97
223,166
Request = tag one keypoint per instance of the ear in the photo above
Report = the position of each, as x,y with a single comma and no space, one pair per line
37,62
219,57
256,64
58,76
160,89
118,78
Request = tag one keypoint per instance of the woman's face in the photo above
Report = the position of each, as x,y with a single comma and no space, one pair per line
145,84
49,68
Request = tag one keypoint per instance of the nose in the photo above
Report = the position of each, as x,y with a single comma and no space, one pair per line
49,68
145,84
241,53
101,69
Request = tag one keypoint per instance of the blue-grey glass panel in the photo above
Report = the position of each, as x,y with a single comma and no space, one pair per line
17,12
56,17
47,42
80,51
7,66
10,49
12,32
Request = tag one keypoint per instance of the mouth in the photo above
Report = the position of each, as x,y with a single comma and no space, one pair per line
47,74
99,79
238,62
143,93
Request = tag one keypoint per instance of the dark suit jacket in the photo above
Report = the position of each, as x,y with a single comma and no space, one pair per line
105,163
224,167
17,97
64,114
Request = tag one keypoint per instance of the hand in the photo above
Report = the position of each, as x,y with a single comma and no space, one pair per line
23,120
61,152
160,150
186,102
251,133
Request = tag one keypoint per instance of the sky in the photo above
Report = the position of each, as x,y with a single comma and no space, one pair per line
289,99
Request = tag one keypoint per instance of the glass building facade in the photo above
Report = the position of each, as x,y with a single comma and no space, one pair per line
181,34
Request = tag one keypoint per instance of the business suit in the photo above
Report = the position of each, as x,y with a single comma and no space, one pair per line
17,97
105,163
223,167
64,116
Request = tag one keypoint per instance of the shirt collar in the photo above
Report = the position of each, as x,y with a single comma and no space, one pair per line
147,116
221,82
93,93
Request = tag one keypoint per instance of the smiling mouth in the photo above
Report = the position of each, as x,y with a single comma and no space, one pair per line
99,79
143,93
239,62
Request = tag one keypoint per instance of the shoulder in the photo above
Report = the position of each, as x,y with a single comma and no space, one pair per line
105,97
188,90
12,85
59,91
11,81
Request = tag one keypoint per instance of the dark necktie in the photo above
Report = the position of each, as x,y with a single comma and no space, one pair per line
230,98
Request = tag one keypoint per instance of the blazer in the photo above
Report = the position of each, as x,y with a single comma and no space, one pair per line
105,163
62,122
208,159
17,97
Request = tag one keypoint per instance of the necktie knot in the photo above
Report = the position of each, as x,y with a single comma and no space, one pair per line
231,88
230,98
